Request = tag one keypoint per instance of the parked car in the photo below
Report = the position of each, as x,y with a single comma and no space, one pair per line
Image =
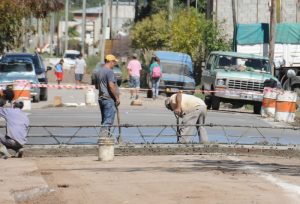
117,71
39,68
235,78
70,57
19,70
177,73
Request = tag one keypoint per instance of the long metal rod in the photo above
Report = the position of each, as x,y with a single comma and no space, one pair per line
170,126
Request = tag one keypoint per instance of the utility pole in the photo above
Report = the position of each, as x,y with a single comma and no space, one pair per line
272,33
110,18
234,21
171,6
66,24
188,3
104,26
51,33
83,26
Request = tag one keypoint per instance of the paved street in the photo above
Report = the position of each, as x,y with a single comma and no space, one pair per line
152,113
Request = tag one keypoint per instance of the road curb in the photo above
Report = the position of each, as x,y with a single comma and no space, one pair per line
160,149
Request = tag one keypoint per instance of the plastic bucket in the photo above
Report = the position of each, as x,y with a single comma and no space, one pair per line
106,149
269,103
21,89
90,97
286,106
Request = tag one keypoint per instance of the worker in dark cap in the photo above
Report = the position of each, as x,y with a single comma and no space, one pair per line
17,124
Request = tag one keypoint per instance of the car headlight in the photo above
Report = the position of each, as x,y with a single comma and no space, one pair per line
221,82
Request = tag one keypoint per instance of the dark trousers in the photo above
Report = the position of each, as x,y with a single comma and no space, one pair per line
10,143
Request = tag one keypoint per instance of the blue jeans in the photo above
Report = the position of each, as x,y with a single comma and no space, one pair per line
108,112
155,87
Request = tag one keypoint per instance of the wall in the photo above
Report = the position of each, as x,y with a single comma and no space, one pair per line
252,11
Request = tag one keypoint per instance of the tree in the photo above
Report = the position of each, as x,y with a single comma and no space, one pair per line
10,23
151,33
12,12
189,32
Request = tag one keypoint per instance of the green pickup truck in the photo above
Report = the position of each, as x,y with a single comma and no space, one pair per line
235,78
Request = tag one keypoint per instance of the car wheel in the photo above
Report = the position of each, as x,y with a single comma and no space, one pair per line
36,99
44,95
207,101
215,103
119,82
257,108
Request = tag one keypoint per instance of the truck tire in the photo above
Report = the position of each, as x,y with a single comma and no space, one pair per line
215,103
257,107
207,101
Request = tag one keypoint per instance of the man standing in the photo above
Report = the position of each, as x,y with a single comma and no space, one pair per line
80,67
17,124
191,109
105,82
134,72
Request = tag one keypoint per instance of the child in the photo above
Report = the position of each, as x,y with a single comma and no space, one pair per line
59,71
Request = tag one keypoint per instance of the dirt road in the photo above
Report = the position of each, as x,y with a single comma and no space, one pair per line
170,179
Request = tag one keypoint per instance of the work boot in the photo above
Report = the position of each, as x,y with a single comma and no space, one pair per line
19,153
3,151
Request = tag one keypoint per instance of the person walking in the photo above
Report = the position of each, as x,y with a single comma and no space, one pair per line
80,67
134,68
17,124
59,71
192,110
106,83
155,74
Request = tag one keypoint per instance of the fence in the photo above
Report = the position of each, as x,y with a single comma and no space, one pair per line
162,134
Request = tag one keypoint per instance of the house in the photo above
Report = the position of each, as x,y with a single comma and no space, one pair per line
122,12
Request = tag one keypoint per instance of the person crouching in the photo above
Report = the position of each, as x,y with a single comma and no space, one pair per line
192,110
17,124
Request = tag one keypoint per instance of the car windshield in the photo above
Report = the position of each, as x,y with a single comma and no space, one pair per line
243,64
19,58
178,68
16,67
71,56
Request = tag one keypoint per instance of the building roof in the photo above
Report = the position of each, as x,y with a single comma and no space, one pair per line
93,10
96,10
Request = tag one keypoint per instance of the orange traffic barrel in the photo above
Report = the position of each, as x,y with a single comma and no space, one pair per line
269,102
21,89
286,106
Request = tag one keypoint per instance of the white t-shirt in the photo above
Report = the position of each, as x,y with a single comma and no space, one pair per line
189,103
79,66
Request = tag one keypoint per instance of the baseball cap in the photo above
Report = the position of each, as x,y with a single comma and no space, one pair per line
111,58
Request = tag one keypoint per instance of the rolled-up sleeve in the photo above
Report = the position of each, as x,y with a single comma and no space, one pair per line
3,113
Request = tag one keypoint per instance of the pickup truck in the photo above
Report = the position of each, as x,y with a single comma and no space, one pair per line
235,78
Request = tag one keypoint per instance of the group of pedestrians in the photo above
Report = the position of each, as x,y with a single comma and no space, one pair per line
191,109
80,69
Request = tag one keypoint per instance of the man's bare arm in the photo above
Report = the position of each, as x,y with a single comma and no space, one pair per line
178,110
113,90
